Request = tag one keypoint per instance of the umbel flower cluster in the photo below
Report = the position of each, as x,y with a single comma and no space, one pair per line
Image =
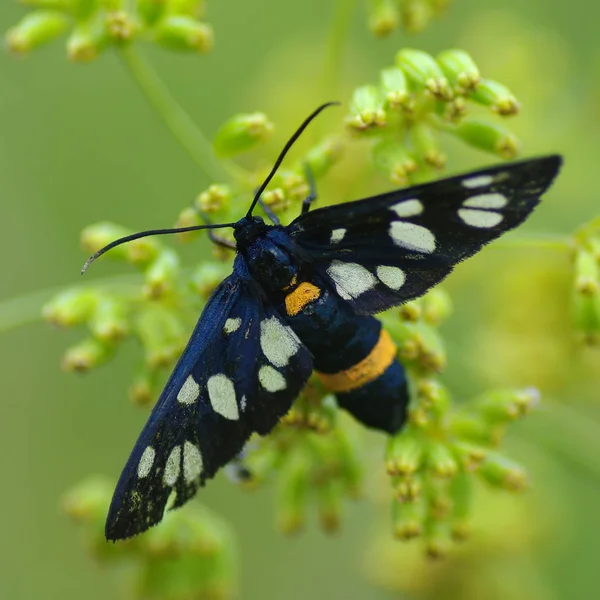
315,454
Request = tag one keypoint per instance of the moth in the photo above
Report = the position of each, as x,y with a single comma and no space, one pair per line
301,298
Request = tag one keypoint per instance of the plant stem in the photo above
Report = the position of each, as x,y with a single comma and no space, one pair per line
179,123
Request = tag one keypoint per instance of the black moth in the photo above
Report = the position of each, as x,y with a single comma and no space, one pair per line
301,298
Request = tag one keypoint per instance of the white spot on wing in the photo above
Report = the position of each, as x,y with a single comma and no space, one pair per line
173,467
486,201
337,235
393,277
412,237
189,391
277,342
146,461
232,325
222,396
270,379
351,279
192,461
479,218
408,208
479,181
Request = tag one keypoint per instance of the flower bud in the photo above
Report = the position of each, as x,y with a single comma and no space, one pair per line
109,320
416,15
161,333
460,69
496,96
86,355
500,471
366,109
433,397
183,33
120,27
469,455
586,296
35,29
383,17
188,217
71,307
161,275
87,502
391,158
487,136
207,277
241,133
320,158
214,198
501,406
440,459
293,490
422,70
140,251
425,143
404,453
142,391
408,489
395,89
462,490
437,538
436,306
87,40
407,519
329,503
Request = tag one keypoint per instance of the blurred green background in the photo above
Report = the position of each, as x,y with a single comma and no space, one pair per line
79,144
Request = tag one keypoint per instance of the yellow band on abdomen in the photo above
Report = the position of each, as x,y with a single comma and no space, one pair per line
367,370
295,301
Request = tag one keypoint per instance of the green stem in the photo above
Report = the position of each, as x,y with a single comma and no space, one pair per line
340,30
179,123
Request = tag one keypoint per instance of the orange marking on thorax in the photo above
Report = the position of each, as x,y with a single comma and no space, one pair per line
367,370
295,301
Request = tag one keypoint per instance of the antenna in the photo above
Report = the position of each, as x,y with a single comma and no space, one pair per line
261,189
285,150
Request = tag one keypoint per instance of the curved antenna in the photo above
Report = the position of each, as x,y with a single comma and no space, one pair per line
142,234
285,150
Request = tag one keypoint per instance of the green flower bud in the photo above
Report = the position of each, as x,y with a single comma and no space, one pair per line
262,462
411,311
501,406
433,397
241,133
437,538
293,490
161,275
407,519
408,489
441,460
87,502
120,27
142,391
87,355
416,15
425,143
71,307
87,40
214,198
329,502
469,455
383,17
183,33
460,69
487,136
207,277
500,471
496,96
366,109
109,320
151,10
471,427
586,296
404,453
436,306
351,466
139,252
35,29
395,89
161,333
188,217
422,70
391,158
462,490
323,156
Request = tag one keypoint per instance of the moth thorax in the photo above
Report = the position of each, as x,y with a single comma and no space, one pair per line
273,267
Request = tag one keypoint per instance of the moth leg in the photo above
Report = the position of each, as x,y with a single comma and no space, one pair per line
270,214
312,194
214,237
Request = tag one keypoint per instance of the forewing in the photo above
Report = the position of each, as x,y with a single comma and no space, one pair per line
388,249
241,371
